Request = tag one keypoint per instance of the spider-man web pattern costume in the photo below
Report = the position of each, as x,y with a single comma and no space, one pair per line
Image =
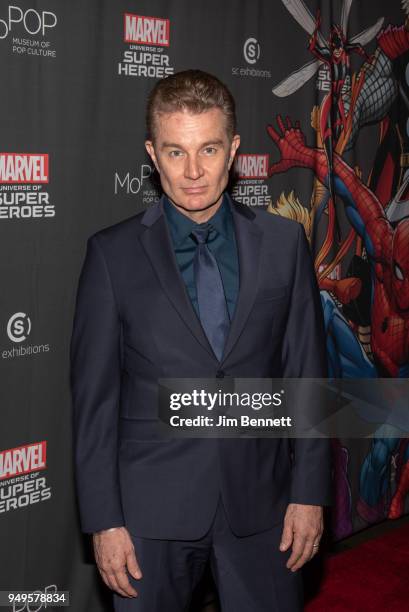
387,248
388,252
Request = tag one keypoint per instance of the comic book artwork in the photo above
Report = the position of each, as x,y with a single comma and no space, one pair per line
363,270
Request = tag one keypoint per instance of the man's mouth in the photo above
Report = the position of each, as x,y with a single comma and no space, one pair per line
194,189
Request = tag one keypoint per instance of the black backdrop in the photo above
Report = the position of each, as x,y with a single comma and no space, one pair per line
74,90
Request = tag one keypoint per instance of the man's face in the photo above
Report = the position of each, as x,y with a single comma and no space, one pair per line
193,155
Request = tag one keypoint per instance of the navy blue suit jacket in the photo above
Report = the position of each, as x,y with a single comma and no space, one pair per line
134,323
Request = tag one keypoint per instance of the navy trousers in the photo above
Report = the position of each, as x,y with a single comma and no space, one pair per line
249,572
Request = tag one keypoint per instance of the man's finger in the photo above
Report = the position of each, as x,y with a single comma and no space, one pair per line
107,579
316,546
116,586
133,566
104,577
315,549
306,555
297,550
124,584
287,537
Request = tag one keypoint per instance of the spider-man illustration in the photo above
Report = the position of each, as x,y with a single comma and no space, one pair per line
375,95
387,248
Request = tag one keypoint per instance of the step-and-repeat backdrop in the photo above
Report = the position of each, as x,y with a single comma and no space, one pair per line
75,77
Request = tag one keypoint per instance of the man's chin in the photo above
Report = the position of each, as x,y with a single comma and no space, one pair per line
196,203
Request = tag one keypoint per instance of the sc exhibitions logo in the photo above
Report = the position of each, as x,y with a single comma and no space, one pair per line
251,50
251,53
18,327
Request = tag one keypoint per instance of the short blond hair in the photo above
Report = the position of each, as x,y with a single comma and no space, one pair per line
192,90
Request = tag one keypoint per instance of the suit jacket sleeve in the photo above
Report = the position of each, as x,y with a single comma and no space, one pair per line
95,385
304,356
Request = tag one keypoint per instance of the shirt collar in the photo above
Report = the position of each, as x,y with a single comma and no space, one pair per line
181,226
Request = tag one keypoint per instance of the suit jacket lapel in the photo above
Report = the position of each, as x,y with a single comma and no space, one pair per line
158,246
248,237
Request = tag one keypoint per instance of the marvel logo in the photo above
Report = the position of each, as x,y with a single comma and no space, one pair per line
23,459
146,30
251,166
24,168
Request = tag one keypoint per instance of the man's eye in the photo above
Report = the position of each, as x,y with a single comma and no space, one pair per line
175,153
210,150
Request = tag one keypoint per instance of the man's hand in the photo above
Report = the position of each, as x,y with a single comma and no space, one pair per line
303,527
114,553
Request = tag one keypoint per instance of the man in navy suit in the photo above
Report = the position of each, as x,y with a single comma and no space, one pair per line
197,286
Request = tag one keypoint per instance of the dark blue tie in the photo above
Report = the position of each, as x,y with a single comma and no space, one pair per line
211,299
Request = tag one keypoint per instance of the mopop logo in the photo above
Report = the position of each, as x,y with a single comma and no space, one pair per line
137,183
40,599
132,184
146,30
32,21
27,30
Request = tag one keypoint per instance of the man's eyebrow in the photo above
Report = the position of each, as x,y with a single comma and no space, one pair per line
217,141
174,145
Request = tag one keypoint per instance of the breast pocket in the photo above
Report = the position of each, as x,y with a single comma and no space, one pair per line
269,294
270,309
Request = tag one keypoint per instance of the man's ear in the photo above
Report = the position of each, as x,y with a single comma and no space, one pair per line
151,152
235,143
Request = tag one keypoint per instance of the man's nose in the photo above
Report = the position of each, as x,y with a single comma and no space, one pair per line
193,169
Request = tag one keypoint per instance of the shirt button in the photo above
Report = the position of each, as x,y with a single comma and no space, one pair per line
219,374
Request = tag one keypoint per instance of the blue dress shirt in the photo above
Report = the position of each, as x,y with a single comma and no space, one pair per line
221,242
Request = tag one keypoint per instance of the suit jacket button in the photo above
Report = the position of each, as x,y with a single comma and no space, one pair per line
219,374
